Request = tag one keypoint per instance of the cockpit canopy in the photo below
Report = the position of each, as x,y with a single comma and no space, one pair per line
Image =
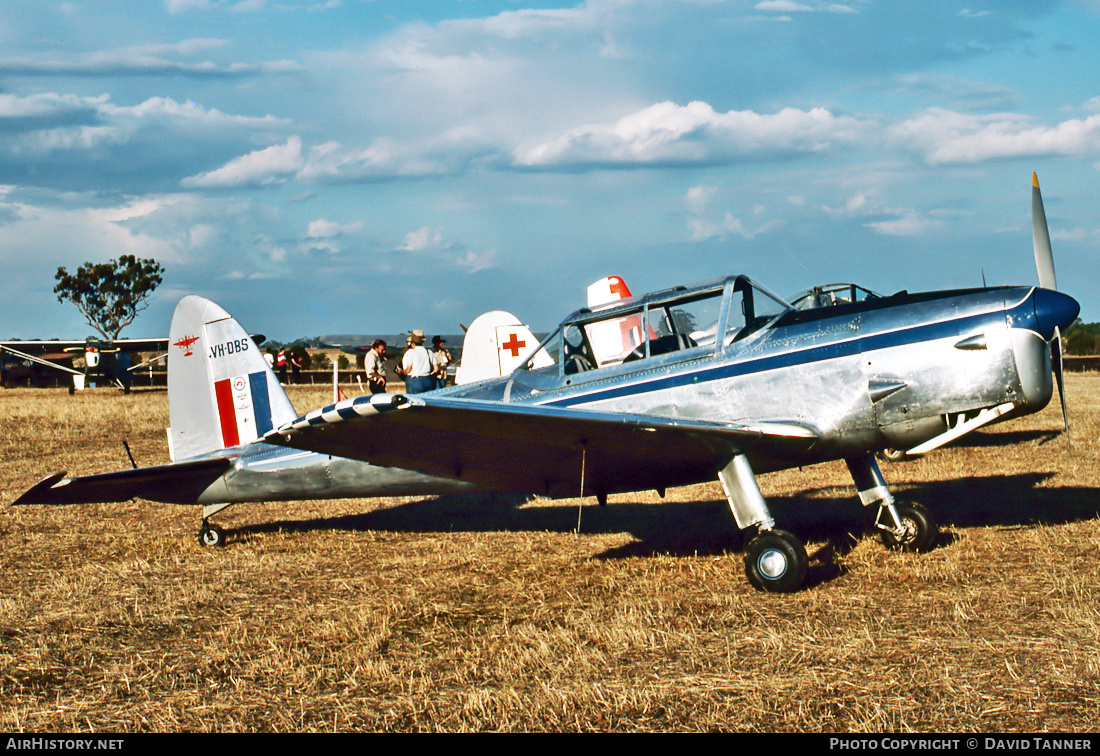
830,295
686,321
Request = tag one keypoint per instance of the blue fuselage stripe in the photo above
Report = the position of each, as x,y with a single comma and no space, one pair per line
752,364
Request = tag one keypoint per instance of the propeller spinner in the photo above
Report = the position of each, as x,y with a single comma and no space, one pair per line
1044,266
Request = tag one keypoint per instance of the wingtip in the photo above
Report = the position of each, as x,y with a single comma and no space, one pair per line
33,494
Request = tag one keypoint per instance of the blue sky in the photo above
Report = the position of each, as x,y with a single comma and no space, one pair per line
371,167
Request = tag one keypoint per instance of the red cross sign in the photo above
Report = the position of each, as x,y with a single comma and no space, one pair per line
513,344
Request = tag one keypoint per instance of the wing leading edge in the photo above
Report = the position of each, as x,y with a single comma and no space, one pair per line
539,449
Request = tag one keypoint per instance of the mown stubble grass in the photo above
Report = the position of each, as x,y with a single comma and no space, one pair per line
483,613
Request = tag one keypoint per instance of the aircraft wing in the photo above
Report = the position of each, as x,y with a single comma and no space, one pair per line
41,347
122,345
518,447
39,360
177,482
140,345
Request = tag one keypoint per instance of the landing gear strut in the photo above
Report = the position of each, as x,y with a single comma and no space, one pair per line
918,531
903,525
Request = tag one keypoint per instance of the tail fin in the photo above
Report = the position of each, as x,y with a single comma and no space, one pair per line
495,344
613,339
610,289
221,392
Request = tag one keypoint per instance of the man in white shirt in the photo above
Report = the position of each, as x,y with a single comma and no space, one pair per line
417,365
374,364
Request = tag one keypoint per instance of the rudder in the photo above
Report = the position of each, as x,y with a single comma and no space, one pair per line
221,391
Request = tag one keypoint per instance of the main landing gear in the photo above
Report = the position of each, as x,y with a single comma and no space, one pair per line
776,561
918,530
903,525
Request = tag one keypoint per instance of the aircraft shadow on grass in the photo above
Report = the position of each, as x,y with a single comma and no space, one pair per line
831,516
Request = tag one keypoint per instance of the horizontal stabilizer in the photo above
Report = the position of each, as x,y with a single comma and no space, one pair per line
177,483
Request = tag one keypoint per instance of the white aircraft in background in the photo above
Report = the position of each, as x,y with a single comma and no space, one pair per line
497,342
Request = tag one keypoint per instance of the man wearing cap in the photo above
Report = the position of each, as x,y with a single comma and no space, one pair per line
442,359
417,365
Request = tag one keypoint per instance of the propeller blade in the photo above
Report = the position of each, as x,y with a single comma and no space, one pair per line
1044,266
1056,363
1040,238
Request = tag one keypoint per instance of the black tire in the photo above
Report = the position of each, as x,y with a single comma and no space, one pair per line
211,535
775,561
921,531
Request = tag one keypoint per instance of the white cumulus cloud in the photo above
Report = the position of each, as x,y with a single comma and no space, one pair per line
267,166
326,229
671,134
422,239
946,136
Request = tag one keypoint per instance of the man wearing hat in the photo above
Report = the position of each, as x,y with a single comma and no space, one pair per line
442,359
417,365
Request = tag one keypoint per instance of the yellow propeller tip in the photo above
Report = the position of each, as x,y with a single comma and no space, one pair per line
1034,180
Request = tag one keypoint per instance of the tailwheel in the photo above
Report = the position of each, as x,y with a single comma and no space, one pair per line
211,535
918,527
775,561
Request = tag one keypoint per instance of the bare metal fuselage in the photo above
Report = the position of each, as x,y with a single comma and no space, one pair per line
891,372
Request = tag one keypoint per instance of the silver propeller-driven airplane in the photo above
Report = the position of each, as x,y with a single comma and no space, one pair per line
721,379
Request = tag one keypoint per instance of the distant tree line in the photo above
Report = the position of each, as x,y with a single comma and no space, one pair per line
1082,338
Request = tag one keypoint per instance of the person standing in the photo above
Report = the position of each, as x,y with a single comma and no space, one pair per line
417,365
280,365
296,362
442,359
374,363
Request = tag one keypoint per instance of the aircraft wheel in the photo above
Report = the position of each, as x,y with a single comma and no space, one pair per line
920,530
211,535
894,455
775,561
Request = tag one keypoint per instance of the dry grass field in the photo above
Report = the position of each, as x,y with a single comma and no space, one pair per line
475,613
